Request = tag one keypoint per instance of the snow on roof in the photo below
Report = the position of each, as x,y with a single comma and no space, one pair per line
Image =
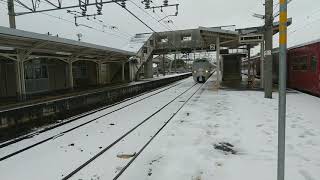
218,30
137,42
305,44
17,35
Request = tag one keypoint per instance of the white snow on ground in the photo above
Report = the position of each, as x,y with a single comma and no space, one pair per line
185,148
131,144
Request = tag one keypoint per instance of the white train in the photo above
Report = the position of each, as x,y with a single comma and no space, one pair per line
201,70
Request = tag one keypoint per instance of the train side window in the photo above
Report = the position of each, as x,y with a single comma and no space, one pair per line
314,63
300,64
304,63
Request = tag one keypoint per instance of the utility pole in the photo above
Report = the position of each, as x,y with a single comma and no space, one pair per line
163,66
11,13
262,64
282,89
250,77
268,48
218,60
175,62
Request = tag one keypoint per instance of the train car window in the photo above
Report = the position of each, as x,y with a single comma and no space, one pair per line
300,63
314,63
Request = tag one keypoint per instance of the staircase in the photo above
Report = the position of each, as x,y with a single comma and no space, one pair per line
145,54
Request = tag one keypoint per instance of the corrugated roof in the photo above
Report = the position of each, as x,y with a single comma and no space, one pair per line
137,42
42,43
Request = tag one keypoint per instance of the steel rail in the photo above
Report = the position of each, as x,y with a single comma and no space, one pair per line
78,126
123,136
165,124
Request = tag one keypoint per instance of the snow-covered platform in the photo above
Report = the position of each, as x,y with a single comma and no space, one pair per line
246,120
187,131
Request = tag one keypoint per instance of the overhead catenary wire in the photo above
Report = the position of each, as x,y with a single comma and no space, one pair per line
158,14
155,32
110,26
60,18
306,26
295,29
139,19
72,22
164,25
107,25
166,15
87,26
101,23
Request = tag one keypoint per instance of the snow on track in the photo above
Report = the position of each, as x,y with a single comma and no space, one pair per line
58,157
108,165
185,148
47,135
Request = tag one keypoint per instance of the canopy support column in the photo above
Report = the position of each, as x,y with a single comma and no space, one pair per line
70,73
20,77
123,73
218,60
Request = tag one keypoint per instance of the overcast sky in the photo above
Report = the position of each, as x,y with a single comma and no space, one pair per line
192,13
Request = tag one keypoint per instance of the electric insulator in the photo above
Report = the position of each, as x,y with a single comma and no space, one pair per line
165,2
147,4
99,10
123,4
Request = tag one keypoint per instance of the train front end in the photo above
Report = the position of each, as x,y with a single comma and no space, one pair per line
201,70
200,75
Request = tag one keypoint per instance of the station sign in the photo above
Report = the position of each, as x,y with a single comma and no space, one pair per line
212,47
251,39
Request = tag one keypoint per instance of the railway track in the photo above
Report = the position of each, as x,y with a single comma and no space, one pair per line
70,120
63,152
152,138
195,88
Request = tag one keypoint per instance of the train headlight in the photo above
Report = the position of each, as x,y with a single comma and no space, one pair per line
207,71
194,71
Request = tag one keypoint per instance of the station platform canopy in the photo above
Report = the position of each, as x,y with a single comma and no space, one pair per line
261,29
228,38
42,45
191,40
